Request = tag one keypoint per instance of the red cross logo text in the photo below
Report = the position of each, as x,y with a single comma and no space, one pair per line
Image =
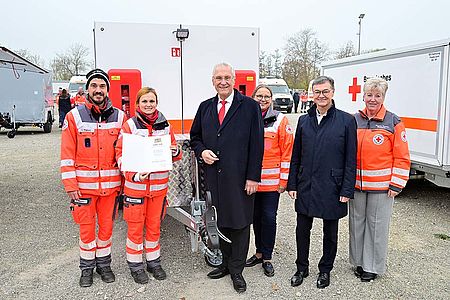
354,89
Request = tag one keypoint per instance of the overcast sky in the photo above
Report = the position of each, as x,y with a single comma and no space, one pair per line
47,27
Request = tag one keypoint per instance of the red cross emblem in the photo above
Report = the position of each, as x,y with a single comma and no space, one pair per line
378,139
354,89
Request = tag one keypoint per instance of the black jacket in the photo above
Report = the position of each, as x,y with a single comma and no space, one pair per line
239,144
323,164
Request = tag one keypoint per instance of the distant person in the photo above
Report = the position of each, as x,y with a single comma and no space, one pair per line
64,106
91,176
382,172
296,98
145,193
321,177
227,135
278,142
79,98
304,101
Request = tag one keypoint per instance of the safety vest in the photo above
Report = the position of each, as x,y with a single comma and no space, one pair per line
157,182
278,142
79,100
88,160
383,157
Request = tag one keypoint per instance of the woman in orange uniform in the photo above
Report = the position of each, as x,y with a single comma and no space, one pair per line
145,201
278,141
382,172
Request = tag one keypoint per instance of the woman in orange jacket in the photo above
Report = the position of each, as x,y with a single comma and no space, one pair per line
278,142
145,193
382,164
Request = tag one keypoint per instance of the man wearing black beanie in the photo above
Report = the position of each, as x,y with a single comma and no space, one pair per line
90,174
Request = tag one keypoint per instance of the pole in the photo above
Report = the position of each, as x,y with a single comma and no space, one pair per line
182,89
359,36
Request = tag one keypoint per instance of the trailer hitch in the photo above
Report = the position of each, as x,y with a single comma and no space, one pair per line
210,220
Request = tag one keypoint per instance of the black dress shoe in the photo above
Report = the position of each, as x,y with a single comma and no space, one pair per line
218,273
86,278
158,272
253,261
367,276
140,276
268,269
359,271
323,280
298,277
107,274
239,283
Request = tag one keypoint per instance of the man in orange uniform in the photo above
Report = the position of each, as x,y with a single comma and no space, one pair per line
145,203
79,98
90,174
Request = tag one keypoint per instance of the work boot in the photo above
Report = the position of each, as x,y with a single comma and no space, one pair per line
86,278
157,272
107,274
140,276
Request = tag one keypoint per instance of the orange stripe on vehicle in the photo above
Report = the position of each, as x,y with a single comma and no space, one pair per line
176,125
420,124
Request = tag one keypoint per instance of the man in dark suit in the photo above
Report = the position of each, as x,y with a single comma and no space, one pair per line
228,136
322,176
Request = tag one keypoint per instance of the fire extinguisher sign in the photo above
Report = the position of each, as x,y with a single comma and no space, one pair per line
176,52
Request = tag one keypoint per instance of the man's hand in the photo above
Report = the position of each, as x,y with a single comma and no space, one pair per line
251,186
293,194
74,195
209,157
344,199
392,194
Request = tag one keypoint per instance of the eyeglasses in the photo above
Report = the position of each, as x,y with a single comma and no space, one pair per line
220,78
324,92
260,97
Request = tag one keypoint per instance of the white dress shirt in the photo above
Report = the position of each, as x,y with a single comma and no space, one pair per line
229,100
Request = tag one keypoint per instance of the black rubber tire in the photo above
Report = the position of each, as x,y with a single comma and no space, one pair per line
48,126
11,134
289,110
214,262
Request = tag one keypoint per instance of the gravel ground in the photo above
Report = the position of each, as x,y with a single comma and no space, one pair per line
39,244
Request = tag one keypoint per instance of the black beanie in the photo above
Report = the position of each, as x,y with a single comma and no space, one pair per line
97,73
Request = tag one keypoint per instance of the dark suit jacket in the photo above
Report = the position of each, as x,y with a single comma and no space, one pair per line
323,163
239,144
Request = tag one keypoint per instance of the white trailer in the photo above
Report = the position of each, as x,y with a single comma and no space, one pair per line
25,94
419,81
180,69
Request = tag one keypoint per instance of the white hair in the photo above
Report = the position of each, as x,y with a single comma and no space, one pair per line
224,64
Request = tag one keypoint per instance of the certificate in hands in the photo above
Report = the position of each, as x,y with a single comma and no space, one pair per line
146,154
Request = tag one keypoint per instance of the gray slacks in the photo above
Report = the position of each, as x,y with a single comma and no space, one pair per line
369,218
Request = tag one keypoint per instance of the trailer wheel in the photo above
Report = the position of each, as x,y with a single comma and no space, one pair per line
11,134
289,110
48,124
215,261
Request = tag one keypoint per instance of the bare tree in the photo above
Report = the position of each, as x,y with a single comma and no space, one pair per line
303,55
263,72
72,62
33,58
345,51
277,64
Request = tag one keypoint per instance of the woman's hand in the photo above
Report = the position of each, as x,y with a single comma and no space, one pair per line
392,194
293,194
281,189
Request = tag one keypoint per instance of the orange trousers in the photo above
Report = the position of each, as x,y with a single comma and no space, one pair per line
140,213
84,212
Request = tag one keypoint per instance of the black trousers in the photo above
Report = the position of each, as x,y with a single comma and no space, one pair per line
329,246
235,254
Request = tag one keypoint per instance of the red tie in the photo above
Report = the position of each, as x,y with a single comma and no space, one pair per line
222,112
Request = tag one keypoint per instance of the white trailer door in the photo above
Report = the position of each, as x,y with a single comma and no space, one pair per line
153,49
416,93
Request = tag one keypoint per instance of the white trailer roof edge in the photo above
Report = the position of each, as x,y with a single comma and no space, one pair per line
22,62
386,53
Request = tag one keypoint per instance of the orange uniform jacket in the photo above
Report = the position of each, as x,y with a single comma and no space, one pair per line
278,141
383,157
157,183
78,100
88,160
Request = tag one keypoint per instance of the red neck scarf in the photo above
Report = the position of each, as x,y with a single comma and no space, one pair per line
147,119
